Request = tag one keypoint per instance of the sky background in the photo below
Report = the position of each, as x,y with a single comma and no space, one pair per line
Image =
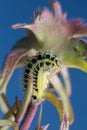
20,11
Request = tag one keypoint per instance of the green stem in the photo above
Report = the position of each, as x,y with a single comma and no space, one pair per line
7,104
8,123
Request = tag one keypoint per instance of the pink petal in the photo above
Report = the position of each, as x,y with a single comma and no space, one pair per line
58,11
15,26
77,28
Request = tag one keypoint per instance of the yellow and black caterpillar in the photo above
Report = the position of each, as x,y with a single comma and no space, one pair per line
40,67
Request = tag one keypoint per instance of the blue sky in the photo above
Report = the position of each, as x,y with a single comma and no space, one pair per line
20,11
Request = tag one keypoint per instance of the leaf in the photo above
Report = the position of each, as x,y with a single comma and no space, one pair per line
16,57
38,127
65,122
54,100
8,123
65,101
26,100
66,78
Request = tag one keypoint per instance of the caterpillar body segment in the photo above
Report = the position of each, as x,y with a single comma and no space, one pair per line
40,67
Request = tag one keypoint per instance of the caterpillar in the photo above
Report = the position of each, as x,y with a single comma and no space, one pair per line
40,67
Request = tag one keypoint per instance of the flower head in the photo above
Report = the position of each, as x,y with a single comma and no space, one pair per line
55,33
51,32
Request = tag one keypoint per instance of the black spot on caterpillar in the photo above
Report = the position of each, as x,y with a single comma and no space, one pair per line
40,67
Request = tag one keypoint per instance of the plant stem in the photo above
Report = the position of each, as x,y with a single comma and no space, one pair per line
30,113
25,102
